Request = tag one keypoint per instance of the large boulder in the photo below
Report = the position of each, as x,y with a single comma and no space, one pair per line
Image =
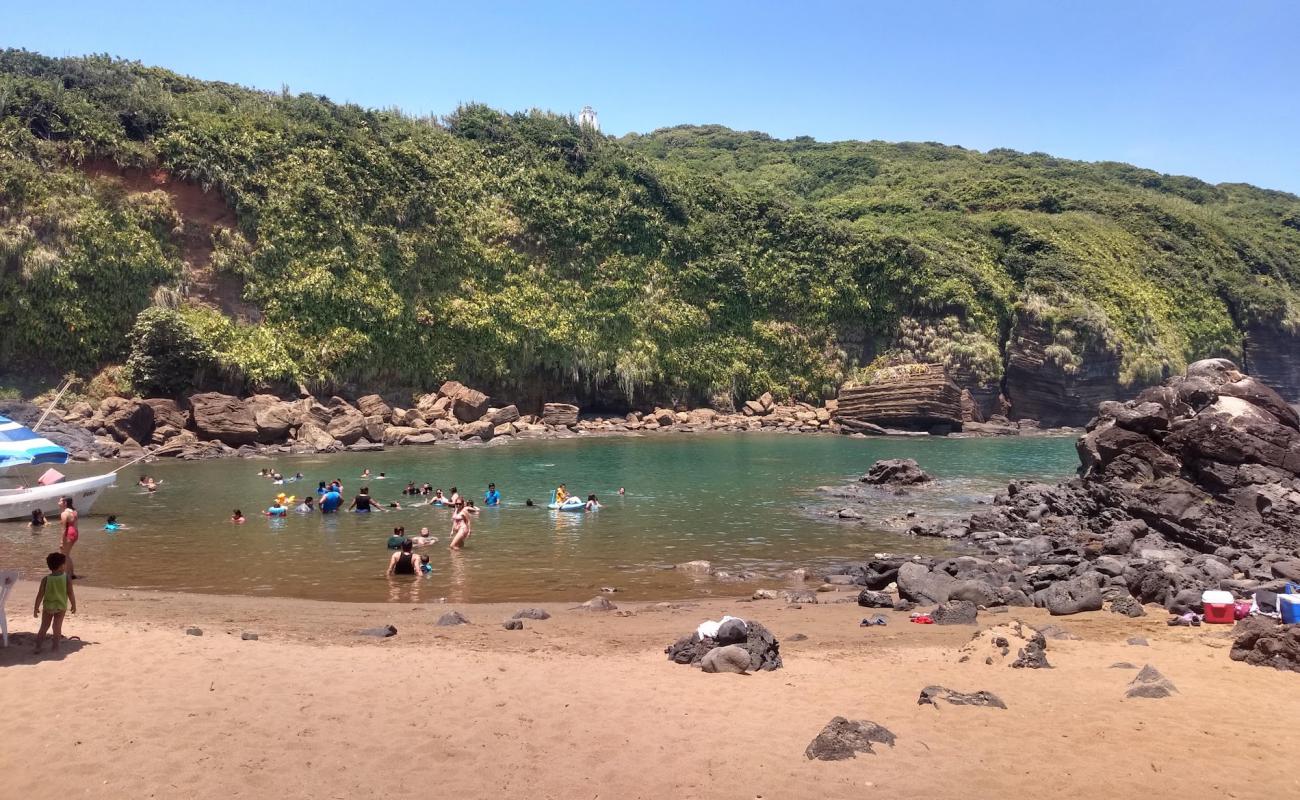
470,405
314,436
126,418
372,405
559,414
503,416
1070,597
432,407
167,411
274,417
222,417
918,583
346,424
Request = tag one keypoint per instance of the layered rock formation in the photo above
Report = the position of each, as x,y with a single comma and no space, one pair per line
1055,394
918,397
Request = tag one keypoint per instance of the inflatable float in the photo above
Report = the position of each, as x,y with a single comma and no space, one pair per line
572,504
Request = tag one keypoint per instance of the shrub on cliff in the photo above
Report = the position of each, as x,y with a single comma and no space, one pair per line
167,355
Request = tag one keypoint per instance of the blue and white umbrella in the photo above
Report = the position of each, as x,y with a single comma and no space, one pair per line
21,445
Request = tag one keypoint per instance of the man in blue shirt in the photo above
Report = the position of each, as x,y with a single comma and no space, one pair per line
331,501
493,497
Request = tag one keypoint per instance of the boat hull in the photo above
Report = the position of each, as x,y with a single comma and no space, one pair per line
20,503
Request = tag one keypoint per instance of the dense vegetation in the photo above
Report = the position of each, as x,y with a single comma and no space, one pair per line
528,255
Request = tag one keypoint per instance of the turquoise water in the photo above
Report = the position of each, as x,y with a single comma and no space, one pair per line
742,502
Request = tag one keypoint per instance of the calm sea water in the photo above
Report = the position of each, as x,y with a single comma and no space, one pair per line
743,502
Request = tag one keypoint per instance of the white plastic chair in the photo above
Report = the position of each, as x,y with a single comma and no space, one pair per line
8,579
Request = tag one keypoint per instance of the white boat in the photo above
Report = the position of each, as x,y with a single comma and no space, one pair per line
20,445
21,502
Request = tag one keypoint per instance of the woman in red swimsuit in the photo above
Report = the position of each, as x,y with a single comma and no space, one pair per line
68,516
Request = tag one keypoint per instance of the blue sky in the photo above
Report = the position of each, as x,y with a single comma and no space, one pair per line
1210,89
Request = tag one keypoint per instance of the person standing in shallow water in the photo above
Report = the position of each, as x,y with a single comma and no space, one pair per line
403,561
493,497
68,516
460,526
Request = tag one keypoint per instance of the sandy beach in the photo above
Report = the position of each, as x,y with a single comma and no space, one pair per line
586,705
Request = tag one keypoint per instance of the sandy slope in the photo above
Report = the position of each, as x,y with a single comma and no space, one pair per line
586,706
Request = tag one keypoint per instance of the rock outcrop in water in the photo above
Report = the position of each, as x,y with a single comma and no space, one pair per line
916,397
1193,485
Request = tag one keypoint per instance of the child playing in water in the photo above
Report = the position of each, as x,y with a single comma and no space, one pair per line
112,525
53,600
237,517
425,566
38,519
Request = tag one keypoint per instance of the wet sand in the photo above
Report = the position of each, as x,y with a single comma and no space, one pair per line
585,705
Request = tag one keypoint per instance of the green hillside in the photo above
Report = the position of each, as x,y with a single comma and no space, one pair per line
369,249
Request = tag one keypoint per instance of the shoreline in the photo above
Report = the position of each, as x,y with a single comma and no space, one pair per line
589,701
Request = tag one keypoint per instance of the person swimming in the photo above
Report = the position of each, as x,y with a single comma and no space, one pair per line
237,517
438,499
38,518
424,539
305,506
592,503
425,566
276,510
397,539
112,525
365,475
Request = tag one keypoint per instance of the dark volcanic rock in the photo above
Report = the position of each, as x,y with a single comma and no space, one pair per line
896,472
930,694
1033,655
763,648
843,738
1070,597
954,612
1151,684
1264,642
870,599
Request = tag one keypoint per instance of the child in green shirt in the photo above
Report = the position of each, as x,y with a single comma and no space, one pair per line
53,599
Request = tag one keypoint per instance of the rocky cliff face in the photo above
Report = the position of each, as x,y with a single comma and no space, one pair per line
1040,388
1273,356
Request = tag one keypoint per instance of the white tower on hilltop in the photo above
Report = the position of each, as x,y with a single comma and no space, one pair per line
587,119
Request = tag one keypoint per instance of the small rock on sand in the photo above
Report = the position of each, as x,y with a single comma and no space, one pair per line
513,625
1150,683
1138,641
931,694
452,618
731,658
695,567
765,594
1123,665
248,636
194,631
798,637
532,613
598,603
386,630
844,738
